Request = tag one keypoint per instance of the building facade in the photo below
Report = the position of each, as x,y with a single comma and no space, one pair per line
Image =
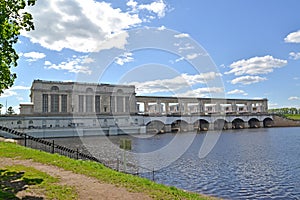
65,98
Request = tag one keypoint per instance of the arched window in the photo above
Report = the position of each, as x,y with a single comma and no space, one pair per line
89,90
54,88
120,92
19,122
30,122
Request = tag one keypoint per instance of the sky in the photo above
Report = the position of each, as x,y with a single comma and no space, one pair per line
204,48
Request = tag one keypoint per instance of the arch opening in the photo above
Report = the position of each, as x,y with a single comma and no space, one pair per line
254,123
155,127
201,125
179,126
268,122
238,123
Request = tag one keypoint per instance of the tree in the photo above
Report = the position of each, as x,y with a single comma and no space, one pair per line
10,111
13,19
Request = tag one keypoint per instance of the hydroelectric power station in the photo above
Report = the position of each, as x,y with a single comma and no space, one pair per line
67,109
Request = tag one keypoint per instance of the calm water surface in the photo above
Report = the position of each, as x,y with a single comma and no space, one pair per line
244,164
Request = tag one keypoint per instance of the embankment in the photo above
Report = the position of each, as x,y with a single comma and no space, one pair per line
284,122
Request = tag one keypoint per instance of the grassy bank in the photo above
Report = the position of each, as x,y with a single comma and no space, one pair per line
293,116
17,178
98,171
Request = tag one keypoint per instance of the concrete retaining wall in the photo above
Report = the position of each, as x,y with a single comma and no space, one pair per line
284,122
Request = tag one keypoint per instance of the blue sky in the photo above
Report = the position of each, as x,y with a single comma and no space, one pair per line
233,48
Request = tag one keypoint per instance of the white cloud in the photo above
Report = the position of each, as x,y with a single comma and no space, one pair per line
8,93
85,26
272,105
125,58
192,56
293,37
247,80
256,65
203,92
182,35
236,91
12,91
186,47
294,98
174,85
33,56
294,55
19,87
200,78
73,65
179,59
158,7
47,62
161,28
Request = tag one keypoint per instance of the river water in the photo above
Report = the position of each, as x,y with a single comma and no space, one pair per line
243,164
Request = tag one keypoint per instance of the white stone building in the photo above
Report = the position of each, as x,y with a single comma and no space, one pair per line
66,98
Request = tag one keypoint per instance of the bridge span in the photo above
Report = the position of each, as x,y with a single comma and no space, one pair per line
184,123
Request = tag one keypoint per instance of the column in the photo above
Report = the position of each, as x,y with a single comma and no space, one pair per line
167,108
59,103
201,106
124,105
146,107
261,124
115,104
84,103
234,107
49,103
218,107
158,106
186,108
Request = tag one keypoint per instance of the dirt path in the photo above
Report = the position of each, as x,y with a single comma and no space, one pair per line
87,188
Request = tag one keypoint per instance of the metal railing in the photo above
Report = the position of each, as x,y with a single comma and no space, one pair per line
51,147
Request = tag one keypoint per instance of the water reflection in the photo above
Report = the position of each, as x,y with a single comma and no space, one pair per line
244,164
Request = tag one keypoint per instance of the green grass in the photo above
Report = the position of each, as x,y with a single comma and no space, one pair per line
16,178
293,116
98,171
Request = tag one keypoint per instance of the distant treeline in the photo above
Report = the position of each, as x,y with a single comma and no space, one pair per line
285,111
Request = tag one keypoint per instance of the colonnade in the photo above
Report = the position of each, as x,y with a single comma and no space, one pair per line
183,106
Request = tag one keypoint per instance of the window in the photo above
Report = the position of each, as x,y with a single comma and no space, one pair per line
89,103
45,103
64,103
127,104
30,122
54,88
19,122
120,104
89,90
54,103
80,100
97,104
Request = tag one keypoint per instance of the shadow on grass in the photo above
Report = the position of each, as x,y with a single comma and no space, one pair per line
12,182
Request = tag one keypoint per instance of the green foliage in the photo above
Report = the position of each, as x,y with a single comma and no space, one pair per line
16,178
293,116
98,171
285,111
10,111
13,19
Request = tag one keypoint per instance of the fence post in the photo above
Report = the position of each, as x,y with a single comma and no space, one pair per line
118,164
52,146
153,174
25,142
77,154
